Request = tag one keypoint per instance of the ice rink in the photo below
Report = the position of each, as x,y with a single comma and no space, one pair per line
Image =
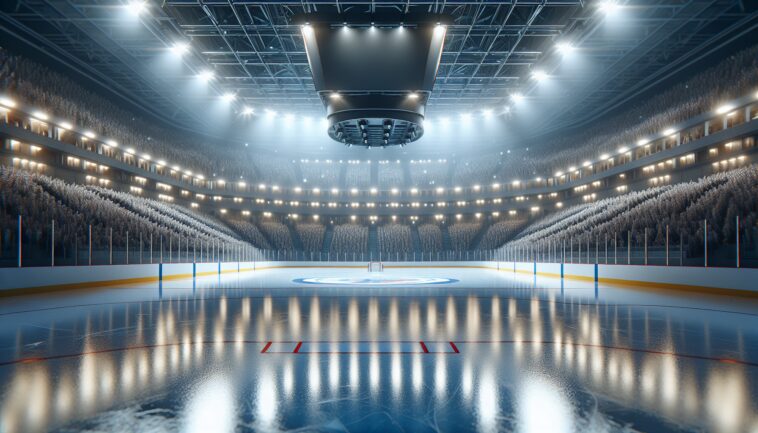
404,350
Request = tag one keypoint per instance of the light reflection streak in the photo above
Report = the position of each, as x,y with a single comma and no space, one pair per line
293,314
488,403
535,396
472,318
314,376
354,369
315,320
431,317
373,370
451,318
440,376
334,369
396,371
417,377
211,407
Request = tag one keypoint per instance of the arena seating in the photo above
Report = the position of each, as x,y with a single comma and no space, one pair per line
395,238
349,238
39,86
431,237
500,232
311,235
278,235
462,235
682,207
41,199
249,232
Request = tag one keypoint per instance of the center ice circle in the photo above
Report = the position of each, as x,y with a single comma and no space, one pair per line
374,281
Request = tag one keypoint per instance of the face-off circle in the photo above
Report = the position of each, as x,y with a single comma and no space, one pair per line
374,281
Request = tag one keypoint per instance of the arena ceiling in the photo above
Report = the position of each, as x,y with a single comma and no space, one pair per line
492,49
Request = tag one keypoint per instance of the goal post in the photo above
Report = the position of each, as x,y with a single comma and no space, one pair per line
375,267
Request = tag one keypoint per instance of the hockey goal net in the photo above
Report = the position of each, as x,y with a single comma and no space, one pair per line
375,267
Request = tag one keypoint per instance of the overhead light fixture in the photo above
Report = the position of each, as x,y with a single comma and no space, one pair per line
39,115
669,131
7,102
413,95
608,7
136,7
564,47
180,48
247,111
724,109
539,75
487,112
205,75
517,97
334,95
270,112
66,125
229,97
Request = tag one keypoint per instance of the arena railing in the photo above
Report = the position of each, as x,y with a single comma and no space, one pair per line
633,247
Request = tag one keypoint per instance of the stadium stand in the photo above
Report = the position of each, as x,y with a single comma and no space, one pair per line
395,238
682,207
349,238
312,236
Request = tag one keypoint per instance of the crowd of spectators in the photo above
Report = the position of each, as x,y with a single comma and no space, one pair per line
64,98
278,235
250,233
426,173
321,174
358,175
499,233
470,171
40,200
391,175
395,238
733,77
430,236
462,235
349,238
683,208
272,170
311,236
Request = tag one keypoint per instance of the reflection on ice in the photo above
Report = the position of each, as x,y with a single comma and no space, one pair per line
211,406
527,363
543,406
